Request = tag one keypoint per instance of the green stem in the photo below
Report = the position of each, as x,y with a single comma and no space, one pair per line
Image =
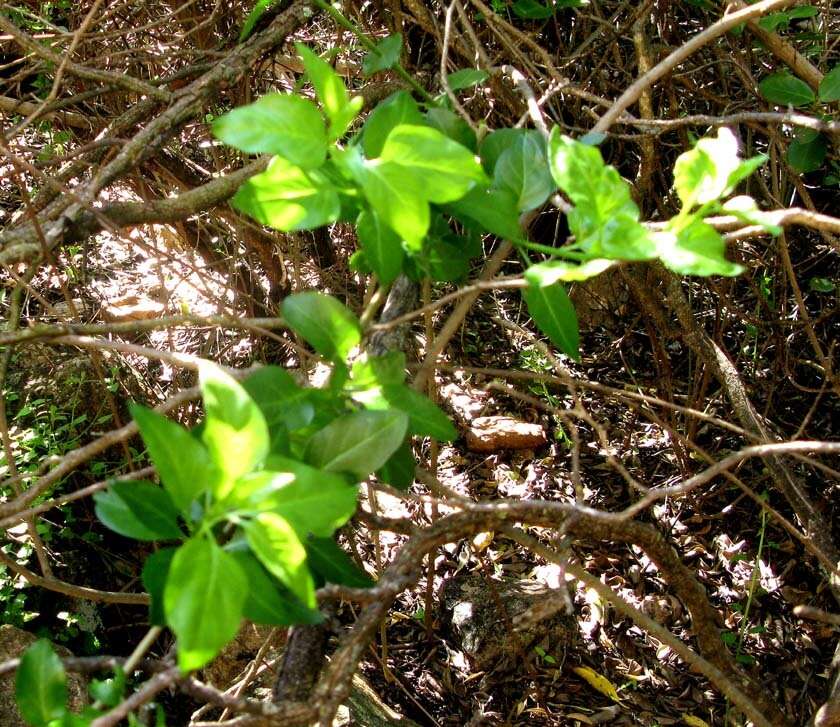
345,23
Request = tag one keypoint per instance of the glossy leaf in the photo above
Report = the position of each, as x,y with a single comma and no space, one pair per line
382,246
398,108
425,418
41,685
283,124
830,86
282,402
807,152
266,603
399,470
324,323
496,143
555,316
313,501
702,174
333,565
275,543
451,125
234,431
181,460
358,443
138,510
288,198
785,89
490,210
386,55
203,600
522,170
154,575
377,371
697,249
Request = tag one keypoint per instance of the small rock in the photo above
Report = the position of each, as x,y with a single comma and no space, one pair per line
491,434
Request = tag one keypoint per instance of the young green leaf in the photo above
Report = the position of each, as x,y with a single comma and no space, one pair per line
697,249
358,443
466,78
398,108
182,461
324,323
785,89
554,271
203,600
703,174
287,197
138,510
386,55
830,86
333,565
41,685
382,246
267,602
109,691
234,431
275,543
283,124
522,169
555,316
331,92
260,8
314,501
154,575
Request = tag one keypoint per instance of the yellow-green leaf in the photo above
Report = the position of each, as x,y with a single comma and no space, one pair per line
597,682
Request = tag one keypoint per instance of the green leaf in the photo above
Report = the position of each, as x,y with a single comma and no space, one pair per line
398,108
287,197
807,151
183,463
443,259
41,685
703,174
522,169
324,323
359,443
744,208
331,92
266,602
109,691
283,124
154,575
830,86
452,125
138,510
743,170
386,55
429,155
260,7
398,471
203,600
333,565
784,89
533,10
496,143
313,501
424,417
781,20
697,249
275,543
377,371
490,210
234,431
382,246
555,316
282,402
605,220
821,285
466,78
554,271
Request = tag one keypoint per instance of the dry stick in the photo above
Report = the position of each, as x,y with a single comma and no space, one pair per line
726,23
